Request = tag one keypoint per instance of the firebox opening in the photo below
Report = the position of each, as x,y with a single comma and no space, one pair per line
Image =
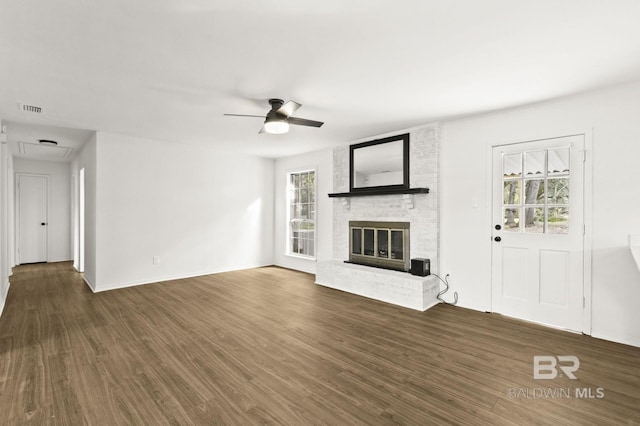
380,244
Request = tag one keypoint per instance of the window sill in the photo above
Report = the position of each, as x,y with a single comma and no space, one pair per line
301,256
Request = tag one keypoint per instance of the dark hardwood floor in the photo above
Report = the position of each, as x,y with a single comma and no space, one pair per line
267,346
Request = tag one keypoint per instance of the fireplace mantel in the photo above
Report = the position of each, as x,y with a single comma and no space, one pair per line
378,191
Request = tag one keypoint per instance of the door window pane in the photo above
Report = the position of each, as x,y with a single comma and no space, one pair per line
512,189
558,191
558,220
512,165
511,221
534,163
534,220
558,161
534,191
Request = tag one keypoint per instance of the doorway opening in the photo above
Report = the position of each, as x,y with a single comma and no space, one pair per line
80,241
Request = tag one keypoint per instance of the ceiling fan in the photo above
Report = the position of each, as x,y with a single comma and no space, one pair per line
277,120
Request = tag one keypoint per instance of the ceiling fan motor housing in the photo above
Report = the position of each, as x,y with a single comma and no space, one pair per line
276,103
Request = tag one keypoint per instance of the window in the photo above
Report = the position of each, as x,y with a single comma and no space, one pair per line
536,191
301,200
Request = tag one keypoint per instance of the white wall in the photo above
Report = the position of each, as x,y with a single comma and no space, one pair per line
322,163
59,222
86,158
198,209
609,119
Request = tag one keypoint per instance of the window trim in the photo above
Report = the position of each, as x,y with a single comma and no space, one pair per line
288,237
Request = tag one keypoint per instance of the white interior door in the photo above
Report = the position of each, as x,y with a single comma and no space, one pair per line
32,218
538,231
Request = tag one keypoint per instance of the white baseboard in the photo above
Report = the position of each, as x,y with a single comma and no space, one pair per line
623,341
91,285
135,283
60,259
3,298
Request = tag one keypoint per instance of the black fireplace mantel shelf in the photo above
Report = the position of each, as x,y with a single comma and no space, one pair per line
380,191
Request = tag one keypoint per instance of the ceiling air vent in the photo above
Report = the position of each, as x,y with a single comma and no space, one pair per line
31,108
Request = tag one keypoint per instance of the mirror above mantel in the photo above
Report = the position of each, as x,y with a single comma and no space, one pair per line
381,163
380,167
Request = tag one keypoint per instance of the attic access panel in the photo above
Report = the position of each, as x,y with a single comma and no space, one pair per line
44,152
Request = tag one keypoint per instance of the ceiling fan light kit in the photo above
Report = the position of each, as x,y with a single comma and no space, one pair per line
276,126
279,119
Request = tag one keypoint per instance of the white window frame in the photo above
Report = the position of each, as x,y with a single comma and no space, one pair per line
289,200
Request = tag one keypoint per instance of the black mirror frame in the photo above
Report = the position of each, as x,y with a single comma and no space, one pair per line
405,164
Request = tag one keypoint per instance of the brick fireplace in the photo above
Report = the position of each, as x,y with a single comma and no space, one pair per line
419,211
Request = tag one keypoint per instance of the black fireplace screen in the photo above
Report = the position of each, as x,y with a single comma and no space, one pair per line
381,244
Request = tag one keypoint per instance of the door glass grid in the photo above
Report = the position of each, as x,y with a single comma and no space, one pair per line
536,191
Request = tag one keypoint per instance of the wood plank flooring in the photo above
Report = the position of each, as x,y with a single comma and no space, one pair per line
267,346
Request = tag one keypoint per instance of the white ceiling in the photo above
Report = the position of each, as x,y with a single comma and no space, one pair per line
24,140
169,69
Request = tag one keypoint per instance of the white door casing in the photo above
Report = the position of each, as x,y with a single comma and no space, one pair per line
32,194
537,254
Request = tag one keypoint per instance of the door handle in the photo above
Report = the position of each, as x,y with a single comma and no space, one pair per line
43,223
497,239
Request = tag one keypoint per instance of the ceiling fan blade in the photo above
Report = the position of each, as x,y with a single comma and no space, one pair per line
244,115
289,108
304,122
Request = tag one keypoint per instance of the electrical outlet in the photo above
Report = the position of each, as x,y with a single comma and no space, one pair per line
156,260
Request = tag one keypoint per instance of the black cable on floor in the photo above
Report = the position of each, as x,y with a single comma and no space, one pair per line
446,283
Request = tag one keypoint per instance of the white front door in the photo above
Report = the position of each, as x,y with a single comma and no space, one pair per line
538,231
32,218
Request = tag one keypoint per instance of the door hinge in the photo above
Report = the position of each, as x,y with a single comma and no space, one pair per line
584,302
584,156
584,229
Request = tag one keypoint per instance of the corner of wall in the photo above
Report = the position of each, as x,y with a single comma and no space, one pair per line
6,193
89,283
3,297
